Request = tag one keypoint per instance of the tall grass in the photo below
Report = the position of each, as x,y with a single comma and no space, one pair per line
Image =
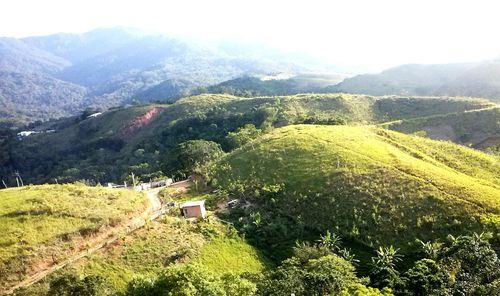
40,222
376,186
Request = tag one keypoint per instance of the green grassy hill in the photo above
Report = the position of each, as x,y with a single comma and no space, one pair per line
137,139
42,224
166,242
477,128
376,186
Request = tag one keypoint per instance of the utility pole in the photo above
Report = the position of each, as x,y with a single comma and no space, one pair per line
17,181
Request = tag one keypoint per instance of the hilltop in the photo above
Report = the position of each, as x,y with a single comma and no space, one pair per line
273,85
479,128
462,79
374,186
139,139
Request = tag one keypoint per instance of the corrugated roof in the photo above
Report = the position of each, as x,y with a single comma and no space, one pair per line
193,203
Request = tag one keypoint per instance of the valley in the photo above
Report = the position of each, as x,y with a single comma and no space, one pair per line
294,168
144,163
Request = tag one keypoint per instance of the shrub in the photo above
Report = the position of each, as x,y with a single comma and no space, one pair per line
72,285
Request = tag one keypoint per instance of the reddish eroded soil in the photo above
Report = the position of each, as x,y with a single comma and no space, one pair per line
141,121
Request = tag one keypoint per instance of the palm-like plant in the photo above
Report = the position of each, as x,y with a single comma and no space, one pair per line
330,241
387,257
348,256
256,218
430,249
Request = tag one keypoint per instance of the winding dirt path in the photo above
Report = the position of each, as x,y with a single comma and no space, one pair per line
154,211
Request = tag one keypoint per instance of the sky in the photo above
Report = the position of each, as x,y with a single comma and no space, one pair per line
369,34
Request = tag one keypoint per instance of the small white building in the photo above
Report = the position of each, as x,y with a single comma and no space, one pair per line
25,134
193,209
94,115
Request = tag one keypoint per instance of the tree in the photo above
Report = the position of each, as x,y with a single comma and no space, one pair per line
426,278
329,275
190,156
72,285
190,280
314,270
430,249
330,241
383,272
472,264
242,136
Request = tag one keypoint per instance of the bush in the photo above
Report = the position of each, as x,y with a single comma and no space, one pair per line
308,274
425,278
72,285
471,263
190,279
190,156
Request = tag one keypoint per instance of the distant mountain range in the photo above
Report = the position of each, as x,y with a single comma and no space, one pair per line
58,75
481,79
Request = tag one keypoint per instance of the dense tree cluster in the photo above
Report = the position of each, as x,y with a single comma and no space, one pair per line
466,265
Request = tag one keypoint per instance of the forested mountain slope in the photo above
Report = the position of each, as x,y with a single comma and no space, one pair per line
59,75
478,79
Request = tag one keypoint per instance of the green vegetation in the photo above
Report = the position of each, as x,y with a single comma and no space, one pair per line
191,280
248,86
141,139
190,156
343,207
315,270
243,135
233,253
368,184
171,243
44,223
477,79
479,129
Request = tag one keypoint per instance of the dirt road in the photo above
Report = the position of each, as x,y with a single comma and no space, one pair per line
153,211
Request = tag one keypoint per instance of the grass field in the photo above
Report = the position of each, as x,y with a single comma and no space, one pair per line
40,223
376,186
231,254
478,129
165,242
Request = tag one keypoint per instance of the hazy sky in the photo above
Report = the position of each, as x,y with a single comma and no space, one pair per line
374,34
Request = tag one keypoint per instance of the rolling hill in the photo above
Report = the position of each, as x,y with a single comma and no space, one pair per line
273,85
478,79
43,225
372,185
167,242
138,139
475,128
46,77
